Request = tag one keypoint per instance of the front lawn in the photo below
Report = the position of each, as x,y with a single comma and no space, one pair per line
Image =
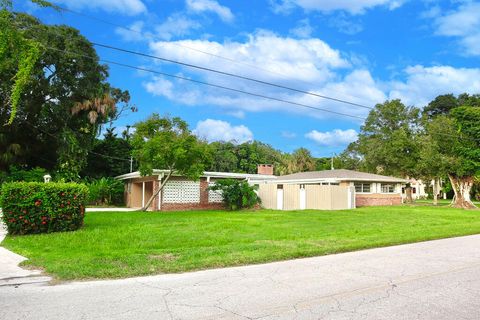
125,244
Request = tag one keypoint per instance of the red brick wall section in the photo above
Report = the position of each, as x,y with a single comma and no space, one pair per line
377,200
203,191
265,169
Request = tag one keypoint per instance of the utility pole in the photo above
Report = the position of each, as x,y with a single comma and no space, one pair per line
131,164
331,163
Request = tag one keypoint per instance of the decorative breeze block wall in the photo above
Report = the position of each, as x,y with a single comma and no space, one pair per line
177,191
214,196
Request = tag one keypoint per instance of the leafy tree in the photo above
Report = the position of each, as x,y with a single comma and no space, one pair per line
451,146
109,156
18,56
455,139
350,158
441,105
301,160
387,140
236,194
431,165
224,157
167,143
63,106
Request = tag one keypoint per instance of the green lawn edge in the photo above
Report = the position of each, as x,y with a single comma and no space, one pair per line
128,244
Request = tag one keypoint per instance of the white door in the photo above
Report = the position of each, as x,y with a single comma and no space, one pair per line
279,199
303,199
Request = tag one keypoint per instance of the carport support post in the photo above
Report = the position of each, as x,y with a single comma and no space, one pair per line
143,194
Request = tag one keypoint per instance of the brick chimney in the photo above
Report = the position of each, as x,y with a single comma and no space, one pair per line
265,169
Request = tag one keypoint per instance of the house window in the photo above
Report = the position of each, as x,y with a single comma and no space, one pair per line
361,187
388,188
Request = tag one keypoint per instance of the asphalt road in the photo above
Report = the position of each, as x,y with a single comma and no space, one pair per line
430,280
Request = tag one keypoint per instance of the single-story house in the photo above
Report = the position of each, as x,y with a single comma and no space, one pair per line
180,193
370,189
329,189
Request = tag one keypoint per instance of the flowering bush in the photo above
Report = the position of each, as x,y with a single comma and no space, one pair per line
33,207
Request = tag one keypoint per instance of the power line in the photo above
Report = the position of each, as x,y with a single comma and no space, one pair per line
172,43
207,53
208,84
229,74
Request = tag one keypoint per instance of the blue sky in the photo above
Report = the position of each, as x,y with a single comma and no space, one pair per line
364,51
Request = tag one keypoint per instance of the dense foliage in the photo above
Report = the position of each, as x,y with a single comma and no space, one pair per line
105,192
32,207
63,105
167,143
236,194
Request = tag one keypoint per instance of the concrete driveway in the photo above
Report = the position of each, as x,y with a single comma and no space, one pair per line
430,280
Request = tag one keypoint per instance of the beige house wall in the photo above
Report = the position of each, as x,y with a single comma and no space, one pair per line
291,197
316,197
268,193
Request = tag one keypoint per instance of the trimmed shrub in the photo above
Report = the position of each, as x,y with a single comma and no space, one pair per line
236,194
33,207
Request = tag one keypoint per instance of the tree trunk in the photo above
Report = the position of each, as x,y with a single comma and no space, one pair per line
462,187
408,193
149,202
435,191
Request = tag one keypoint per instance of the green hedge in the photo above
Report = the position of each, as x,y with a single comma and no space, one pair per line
33,207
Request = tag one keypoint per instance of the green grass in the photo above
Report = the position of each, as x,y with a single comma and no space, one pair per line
125,244
441,202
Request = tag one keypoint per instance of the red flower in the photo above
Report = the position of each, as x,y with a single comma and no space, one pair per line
44,222
38,202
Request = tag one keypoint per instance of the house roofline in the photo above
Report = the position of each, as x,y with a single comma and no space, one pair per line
336,180
211,174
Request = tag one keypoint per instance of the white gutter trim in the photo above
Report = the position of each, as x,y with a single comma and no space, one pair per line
334,180
246,176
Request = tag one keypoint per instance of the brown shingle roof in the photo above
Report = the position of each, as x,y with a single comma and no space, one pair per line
340,175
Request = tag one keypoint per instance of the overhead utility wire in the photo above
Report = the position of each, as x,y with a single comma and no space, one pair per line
172,43
207,84
229,74
207,53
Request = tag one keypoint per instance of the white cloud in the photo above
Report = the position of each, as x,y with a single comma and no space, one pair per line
176,25
326,6
291,59
218,130
345,24
423,84
211,6
303,29
464,24
134,34
336,137
127,7
288,134
306,64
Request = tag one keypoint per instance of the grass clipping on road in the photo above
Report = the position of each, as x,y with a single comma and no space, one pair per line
126,244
